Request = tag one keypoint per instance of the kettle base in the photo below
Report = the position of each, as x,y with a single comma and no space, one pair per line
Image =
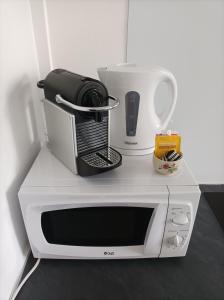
130,152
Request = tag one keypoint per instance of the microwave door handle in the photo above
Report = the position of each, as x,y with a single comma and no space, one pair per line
59,99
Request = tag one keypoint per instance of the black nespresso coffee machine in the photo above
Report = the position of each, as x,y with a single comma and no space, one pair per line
77,115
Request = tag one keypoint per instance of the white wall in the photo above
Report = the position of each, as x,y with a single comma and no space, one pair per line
84,35
18,131
187,37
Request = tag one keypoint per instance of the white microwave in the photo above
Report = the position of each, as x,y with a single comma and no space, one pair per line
130,212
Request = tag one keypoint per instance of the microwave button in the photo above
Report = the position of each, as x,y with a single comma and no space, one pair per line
176,240
180,219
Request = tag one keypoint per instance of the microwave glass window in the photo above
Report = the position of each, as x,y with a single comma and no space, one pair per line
97,226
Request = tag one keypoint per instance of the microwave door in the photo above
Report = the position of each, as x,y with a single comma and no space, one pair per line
108,226
125,224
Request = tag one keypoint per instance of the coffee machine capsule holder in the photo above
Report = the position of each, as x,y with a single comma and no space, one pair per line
78,135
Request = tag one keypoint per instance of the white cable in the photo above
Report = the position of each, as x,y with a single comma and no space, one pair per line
13,297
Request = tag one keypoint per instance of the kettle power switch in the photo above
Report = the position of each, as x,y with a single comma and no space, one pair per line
180,219
132,99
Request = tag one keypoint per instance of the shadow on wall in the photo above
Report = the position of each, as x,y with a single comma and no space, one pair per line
26,147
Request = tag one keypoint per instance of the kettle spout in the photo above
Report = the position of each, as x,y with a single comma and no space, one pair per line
102,73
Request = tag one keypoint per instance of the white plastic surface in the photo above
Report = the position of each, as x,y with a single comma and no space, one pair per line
176,240
34,201
135,171
123,78
51,186
183,200
180,219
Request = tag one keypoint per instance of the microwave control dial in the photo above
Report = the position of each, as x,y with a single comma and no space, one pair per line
176,240
180,219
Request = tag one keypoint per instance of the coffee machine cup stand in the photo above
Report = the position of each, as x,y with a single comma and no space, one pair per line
78,135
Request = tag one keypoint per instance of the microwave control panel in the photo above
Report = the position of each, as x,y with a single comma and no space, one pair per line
178,229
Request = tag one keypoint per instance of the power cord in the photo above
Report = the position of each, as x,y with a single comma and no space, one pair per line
14,295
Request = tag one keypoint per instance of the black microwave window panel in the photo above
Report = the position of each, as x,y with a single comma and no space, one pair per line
97,226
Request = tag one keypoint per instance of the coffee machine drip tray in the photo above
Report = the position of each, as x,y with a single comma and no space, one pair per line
98,161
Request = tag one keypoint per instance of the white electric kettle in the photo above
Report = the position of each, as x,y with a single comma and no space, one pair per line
134,123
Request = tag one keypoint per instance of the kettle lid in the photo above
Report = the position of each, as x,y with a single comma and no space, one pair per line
126,68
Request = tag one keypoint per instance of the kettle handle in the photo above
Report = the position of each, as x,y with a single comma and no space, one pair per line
164,75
